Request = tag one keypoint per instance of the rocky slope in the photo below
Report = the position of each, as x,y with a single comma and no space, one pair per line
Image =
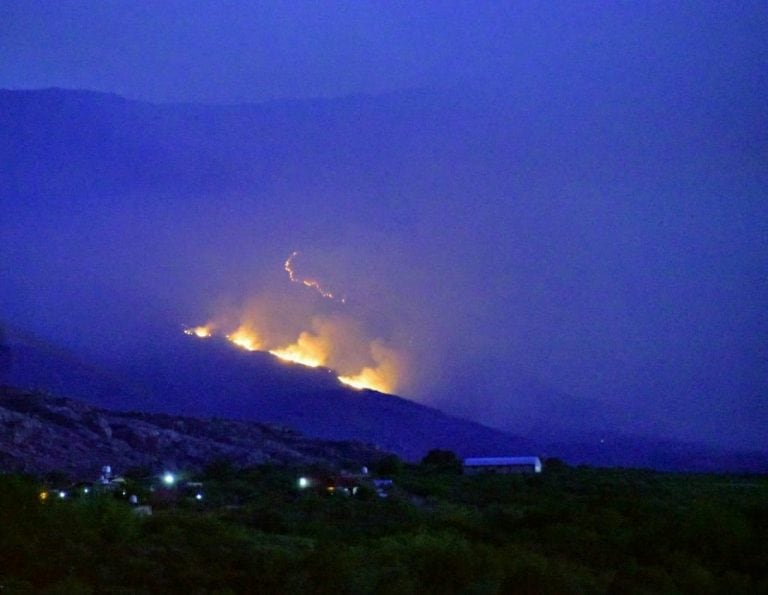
41,433
179,375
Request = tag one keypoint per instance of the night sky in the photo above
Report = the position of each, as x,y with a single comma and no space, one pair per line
554,209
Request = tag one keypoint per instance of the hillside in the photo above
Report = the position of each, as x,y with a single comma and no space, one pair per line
123,221
207,379
41,433
182,376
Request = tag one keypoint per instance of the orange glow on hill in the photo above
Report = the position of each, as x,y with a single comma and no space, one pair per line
367,379
202,332
338,341
308,350
313,351
297,356
245,338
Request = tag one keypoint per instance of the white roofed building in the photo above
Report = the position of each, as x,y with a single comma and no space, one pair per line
502,465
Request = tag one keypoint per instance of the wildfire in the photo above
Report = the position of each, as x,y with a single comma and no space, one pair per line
308,350
336,342
311,283
291,354
367,379
244,337
383,377
313,351
201,332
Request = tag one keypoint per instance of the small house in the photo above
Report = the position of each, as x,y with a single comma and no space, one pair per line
477,465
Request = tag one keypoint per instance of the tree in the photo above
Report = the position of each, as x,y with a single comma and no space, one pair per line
388,466
442,460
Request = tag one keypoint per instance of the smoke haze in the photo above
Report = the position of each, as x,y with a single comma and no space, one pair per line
574,234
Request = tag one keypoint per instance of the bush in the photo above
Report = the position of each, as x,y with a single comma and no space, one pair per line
442,460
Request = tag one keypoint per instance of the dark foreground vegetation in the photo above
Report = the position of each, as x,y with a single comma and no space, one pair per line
564,531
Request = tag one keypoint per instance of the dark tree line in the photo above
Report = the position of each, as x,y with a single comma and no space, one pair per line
567,531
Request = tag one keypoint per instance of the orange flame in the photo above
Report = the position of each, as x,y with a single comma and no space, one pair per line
296,356
202,332
313,350
367,379
246,338
308,350
383,377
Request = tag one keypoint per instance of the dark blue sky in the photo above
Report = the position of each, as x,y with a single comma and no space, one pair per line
230,52
570,195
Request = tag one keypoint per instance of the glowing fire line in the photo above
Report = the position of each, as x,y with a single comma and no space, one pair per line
312,348
298,353
354,382
311,283
291,354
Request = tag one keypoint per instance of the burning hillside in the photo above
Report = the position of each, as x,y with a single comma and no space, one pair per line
336,341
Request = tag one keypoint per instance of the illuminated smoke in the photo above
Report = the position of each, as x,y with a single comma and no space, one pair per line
337,342
246,338
308,350
313,284
382,377
334,342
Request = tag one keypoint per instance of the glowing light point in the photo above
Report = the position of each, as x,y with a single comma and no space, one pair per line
198,496
169,479
62,494
303,482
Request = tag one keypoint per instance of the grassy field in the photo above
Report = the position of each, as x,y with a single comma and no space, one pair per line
568,530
